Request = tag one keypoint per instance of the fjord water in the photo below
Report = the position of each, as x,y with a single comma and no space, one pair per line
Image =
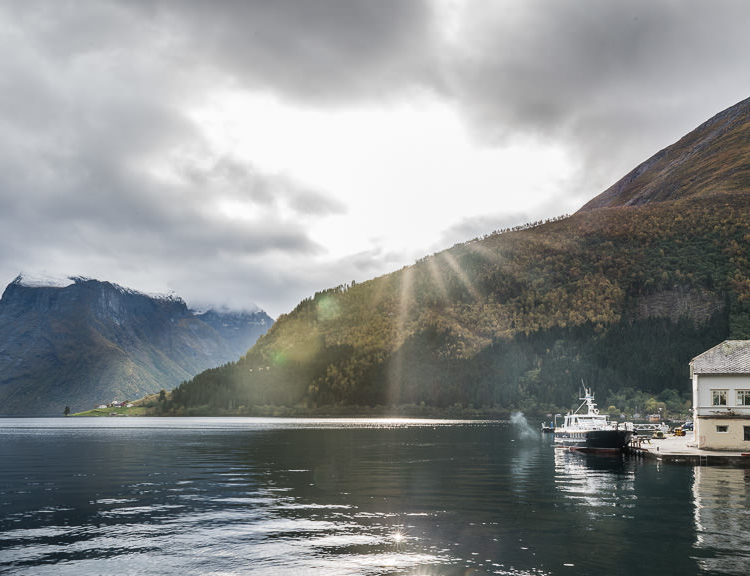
340,497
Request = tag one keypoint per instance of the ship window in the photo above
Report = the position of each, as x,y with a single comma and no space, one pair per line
719,397
747,434
722,429
743,397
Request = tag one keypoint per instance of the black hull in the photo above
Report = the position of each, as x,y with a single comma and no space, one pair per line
593,440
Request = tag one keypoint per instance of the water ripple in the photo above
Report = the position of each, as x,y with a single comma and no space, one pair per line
262,496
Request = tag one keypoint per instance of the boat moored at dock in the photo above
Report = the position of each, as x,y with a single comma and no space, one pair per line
591,431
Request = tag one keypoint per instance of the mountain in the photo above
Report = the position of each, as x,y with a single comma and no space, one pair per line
619,295
712,159
84,342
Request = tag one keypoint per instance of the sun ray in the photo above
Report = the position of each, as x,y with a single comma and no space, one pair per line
379,290
406,293
461,275
437,278
485,252
405,296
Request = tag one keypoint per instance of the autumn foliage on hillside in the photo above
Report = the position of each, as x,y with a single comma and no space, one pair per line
513,319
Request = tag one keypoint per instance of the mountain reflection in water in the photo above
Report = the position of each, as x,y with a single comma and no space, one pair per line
341,497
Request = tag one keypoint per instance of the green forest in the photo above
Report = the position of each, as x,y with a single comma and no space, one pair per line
617,298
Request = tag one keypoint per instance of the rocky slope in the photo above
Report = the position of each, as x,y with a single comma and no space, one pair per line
712,159
90,342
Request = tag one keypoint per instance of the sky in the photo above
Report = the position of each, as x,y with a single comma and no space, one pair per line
246,152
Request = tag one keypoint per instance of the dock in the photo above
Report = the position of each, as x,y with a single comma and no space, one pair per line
682,450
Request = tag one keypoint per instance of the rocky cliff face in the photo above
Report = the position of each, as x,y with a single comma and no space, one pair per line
90,342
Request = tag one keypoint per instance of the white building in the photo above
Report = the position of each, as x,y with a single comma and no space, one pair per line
721,396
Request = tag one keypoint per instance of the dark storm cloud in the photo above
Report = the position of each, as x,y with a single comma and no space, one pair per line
319,51
104,201
624,78
616,80
237,181
93,98
547,65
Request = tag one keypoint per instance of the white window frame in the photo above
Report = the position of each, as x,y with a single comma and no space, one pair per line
717,394
743,395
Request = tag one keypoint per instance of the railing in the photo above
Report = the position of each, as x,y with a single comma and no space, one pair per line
647,428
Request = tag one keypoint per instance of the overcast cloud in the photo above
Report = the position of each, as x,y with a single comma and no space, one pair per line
242,152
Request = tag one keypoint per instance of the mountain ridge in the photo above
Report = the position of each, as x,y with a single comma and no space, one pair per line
680,171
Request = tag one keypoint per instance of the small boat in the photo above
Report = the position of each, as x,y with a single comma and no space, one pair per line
591,431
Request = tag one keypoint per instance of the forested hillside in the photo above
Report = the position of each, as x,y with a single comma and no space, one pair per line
619,296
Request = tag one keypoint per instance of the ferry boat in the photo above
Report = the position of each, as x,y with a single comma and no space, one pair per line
591,431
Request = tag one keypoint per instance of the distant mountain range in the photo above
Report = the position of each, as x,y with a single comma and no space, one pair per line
619,295
84,342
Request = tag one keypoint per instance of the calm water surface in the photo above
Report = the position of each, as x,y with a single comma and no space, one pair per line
340,497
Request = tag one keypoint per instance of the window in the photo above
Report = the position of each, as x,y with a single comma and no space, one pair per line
743,397
718,397
723,429
747,434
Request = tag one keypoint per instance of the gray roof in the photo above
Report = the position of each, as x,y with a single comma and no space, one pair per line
729,357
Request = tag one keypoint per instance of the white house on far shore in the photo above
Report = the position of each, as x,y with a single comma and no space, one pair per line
721,396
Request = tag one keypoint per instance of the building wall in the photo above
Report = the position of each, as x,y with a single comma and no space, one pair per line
709,438
731,382
707,417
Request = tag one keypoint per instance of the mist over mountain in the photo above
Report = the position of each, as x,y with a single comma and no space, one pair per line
83,342
619,295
